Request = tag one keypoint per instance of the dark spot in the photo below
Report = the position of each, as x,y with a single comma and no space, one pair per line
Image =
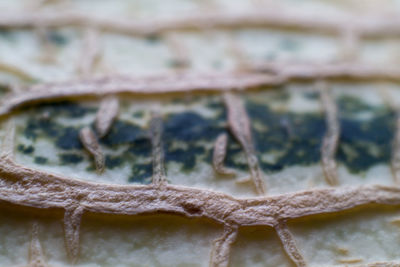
140,147
138,114
25,149
4,88
233,150
64,108
40,160
57,38
190,126
70,158
123,133
297,137
312,95
352,105
113,161
69,139
7,34
37,126
153,39
364,144
141,173
177,63
186,157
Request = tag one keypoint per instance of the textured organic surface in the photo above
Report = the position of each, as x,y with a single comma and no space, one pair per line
199,133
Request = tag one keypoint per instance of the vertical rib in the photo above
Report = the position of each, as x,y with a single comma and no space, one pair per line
237,52
239,124
7,146
90,143
72,224
105,116
219,155
159,176
289,244
90,52
36,255
220,253
350,44
178,50
331,138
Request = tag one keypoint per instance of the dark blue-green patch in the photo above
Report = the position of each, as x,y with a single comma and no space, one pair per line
177,63
113,161
297,137
153,39
190,126
25,149
140,147
4,88
70,158
312,95
351,105
123,133
7,34
69,139
63,108
141,173
40,160
138,114
364,143
57,38
191,129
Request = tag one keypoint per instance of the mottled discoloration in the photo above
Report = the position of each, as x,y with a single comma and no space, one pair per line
25,149
70,158
297,137
57,38
189,136
46,122
364,142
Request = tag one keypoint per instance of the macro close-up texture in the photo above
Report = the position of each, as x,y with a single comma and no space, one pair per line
200,133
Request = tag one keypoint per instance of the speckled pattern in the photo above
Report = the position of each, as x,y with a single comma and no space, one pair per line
199,133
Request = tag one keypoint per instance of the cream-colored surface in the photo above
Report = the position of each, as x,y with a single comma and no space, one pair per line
346,237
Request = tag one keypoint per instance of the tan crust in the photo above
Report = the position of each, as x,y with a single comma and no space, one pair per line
105,116
156,129
219,155
90,52
239,125
370,26
289,244
90,143
41,190
222,247
72,223
276,74
36,255
331,138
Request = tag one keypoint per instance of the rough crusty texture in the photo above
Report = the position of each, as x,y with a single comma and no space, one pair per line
40,190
